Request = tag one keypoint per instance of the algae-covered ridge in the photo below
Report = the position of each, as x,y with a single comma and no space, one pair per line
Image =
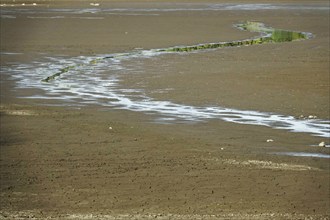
267,35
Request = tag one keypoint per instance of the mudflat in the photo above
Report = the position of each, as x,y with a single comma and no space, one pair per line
101,162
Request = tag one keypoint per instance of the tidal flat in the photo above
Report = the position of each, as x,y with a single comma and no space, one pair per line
146,137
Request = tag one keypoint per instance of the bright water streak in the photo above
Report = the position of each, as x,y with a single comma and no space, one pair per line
100,84
304,154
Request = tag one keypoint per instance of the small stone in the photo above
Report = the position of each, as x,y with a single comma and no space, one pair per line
95,4
322,144
222,148
270,140
110,128
312,117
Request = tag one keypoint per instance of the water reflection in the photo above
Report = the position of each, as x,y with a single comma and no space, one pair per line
284,36
304,154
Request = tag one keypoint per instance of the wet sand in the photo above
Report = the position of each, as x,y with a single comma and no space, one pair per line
104,163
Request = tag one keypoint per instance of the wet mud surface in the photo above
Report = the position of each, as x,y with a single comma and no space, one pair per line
69,157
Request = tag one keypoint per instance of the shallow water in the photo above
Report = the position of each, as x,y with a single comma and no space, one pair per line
141,9
100,84
267,35
304,154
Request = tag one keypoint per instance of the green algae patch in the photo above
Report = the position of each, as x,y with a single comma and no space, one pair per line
272,34
60,72
283,36
96,61
267,35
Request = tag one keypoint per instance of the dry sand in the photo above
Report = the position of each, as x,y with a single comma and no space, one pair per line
82,163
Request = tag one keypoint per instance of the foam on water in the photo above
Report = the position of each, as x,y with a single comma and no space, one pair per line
101,84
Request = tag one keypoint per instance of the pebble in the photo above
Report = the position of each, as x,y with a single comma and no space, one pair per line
307,117
322,144
95,4
312,117
110,128
270,140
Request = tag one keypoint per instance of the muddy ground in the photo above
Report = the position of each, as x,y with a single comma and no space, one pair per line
95,163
